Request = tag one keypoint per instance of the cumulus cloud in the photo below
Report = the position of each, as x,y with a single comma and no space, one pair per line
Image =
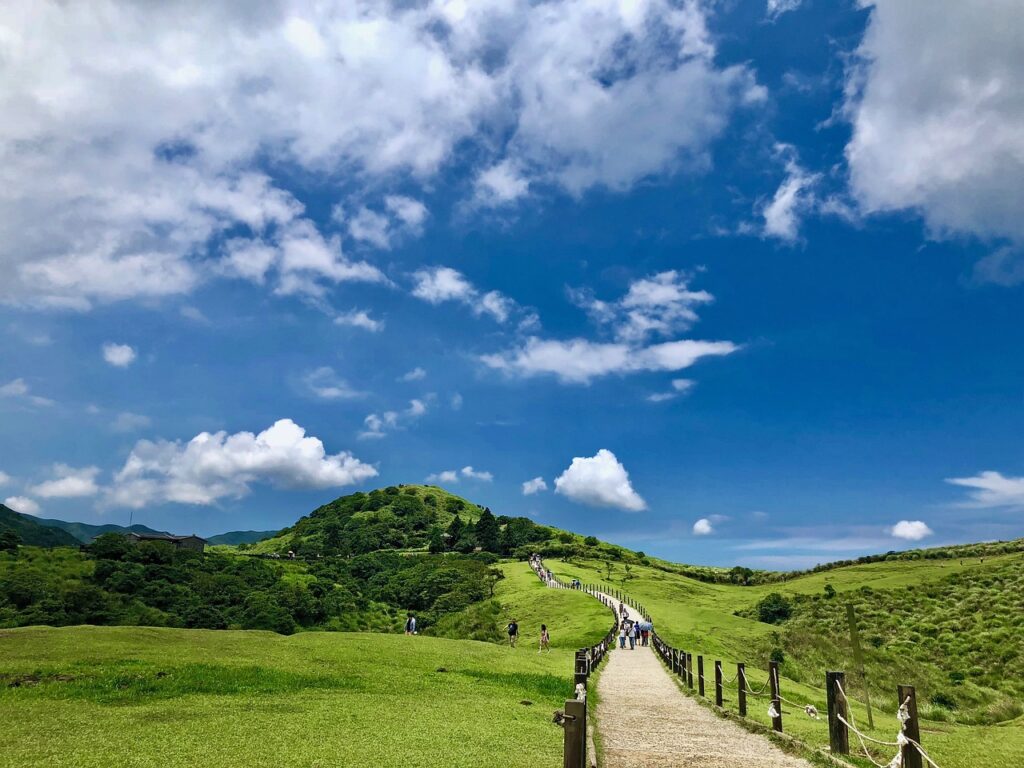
599,481
22,504
214,466
68,483
130,422
536,485
18,389
703,527
579,361
992,489
448,476
119,355
679,387
437,285
911,530
452,476
359,318
325,384
416,374
378,425
126,193
5,479
936,124
473,474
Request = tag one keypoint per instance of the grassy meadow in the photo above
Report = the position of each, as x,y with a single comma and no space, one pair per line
921,623
119,697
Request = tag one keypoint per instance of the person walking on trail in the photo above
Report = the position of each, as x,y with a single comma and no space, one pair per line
645,637
410,625
513,633
622,636
631,634
545,639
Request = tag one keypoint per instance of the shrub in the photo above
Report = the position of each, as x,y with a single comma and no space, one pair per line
774,609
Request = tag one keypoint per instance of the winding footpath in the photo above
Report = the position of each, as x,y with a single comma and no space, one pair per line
644,720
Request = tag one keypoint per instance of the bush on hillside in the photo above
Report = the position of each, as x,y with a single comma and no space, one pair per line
774,609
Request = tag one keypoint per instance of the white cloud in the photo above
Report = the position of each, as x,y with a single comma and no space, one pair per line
359,318
679,387
473,474
21,504
1004,266
130,422
500,184
119,355
124,193
657,305
793,199
536,485
211,467
776,8
599,481
5,479
377,425
440,284
703,527
936,124
911,530
401,216
456,402
448,476
68,483
325,384
19,389
578,361
992,489
416,374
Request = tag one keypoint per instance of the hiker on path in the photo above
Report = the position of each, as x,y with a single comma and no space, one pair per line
622,636
634,635
410,625
645,637
545,639
513,633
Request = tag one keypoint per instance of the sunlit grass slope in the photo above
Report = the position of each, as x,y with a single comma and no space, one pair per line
112,697
701,618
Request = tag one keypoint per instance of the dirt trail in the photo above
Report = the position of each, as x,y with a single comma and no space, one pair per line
645,721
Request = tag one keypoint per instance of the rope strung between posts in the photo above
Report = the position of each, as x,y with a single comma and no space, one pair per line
902,740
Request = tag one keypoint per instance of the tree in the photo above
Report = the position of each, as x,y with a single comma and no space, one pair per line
436,544
591,541
455,529
9,541
487,531
774,609
333,536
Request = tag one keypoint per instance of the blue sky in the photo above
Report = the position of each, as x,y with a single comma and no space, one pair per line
739,282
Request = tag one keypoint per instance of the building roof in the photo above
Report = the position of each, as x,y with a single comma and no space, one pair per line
163,537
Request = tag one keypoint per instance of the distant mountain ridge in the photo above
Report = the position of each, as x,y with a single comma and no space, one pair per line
234,538
86,532
32,532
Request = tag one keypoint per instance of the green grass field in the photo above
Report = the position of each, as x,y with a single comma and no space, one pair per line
114,697
700,618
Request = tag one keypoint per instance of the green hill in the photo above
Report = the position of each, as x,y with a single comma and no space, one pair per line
32,532
397,517
234,538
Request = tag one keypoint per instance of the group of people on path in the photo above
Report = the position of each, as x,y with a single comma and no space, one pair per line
634,631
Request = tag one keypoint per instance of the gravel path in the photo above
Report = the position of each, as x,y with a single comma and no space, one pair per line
645,721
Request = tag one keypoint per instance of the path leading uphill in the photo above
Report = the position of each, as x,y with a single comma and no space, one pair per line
645,721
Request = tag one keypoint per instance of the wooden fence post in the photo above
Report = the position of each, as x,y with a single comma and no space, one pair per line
911,729
773,678
838,734
689,671
741,687
582,667
718,683
673,656
700,675
575,744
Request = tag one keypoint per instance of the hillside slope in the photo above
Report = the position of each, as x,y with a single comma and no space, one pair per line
234,538
31,532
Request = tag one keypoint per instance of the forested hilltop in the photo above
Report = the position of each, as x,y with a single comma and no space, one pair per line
360,562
